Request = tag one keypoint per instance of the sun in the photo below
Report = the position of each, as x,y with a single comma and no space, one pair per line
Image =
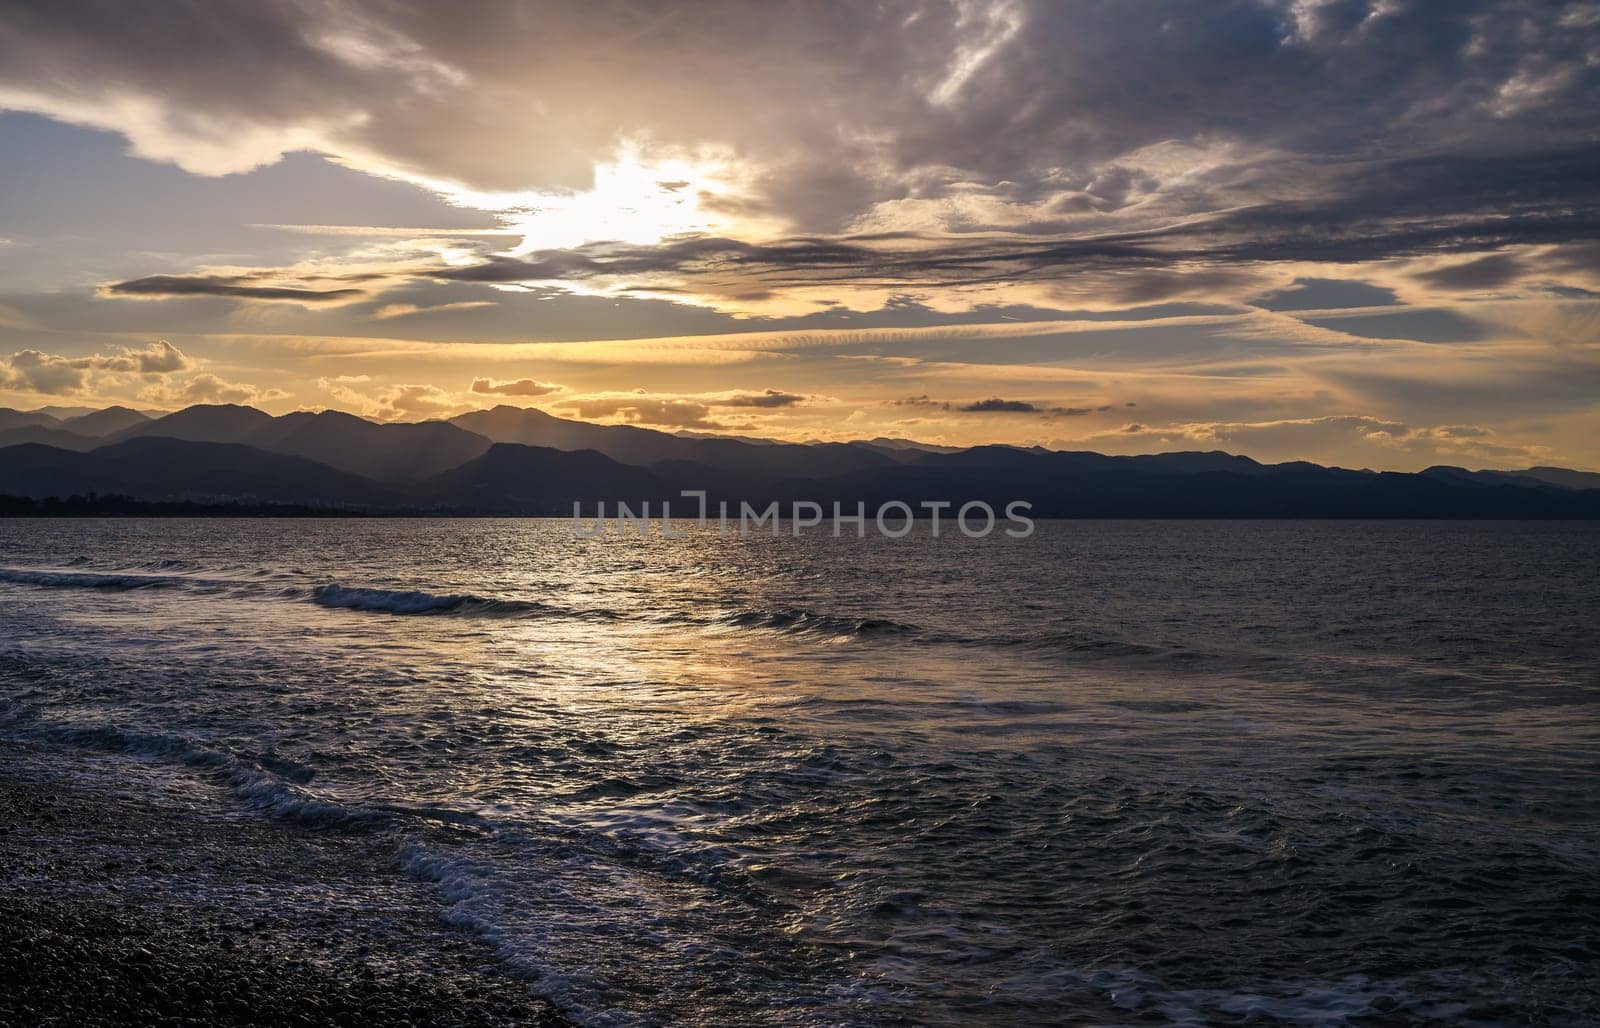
640,196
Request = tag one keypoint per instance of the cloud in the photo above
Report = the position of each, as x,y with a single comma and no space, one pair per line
234,288
33,371
673,413
693,410
970,186
159,358
996,405
412,400
406,310
1221,256
965,107
209,388
768,399
518,387
52,374
975,150
409,401
1489,272
1339,440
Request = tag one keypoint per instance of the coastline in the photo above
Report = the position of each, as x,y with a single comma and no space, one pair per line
117,908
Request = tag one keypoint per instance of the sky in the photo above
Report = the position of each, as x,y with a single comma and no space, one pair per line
1358,232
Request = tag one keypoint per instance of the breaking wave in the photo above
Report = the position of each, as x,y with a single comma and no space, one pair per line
86,580
330,595
415,602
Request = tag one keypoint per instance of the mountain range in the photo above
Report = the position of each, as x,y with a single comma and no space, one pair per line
513,460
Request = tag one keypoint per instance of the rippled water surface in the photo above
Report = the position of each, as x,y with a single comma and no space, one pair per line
1119,771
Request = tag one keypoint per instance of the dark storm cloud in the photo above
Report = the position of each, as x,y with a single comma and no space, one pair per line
161,286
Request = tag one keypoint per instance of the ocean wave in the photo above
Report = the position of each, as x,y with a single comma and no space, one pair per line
1071,642
86,580
421,602
798,620
331,595
266,783
166,564
416,602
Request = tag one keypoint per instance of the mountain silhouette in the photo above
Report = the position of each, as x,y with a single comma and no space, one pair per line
1561,478
646,447
204,423
82,432
398,452
402,452
10,419
511,460
512,478
105,422
162,469
49,436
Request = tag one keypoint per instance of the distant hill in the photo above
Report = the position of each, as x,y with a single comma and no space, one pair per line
512,460
646,447
905,448
163,469
49,436
205,423
1558,478
80,432
63,413
36,470
513,478
397,452
1562,477
530,427
388,452
10,419
105,422
1113,487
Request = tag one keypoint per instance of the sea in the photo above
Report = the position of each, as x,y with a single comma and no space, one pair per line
1115,772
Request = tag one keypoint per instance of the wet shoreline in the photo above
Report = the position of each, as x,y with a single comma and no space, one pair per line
120,908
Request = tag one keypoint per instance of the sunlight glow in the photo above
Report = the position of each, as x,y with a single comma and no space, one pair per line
635,199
